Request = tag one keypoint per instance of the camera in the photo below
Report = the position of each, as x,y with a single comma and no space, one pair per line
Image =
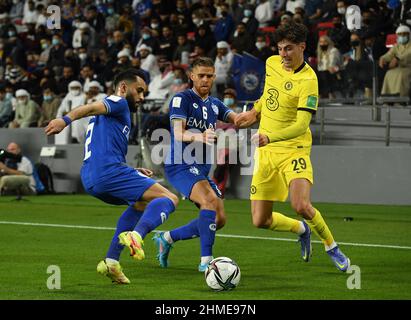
9,159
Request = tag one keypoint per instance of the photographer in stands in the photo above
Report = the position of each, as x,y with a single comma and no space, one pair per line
16,171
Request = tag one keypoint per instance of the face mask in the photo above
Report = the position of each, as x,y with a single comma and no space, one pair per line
196,21
355,43
110,11
82,56
47,98
22,101
154,25
402,39
119,61
55,42
247,13
324,47
260,45
228,101
11,34
178,81
341,10
9,96
44,46
75,92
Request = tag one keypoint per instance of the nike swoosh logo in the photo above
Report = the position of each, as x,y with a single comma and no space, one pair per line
341,266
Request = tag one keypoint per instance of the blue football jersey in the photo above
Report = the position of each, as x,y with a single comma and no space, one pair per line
200,115
106,141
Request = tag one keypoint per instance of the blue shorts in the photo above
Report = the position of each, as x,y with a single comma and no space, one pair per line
125,185
183,177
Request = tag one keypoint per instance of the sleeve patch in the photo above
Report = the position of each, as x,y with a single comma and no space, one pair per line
114,98
311,101
176,102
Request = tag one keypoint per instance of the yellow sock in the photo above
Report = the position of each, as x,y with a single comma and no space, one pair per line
283,223
318,225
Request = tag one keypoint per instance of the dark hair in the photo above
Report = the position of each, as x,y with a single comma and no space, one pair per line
294,32
203,62
129,75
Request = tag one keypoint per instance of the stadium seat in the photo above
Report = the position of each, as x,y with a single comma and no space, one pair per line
267,31
390,40
191,36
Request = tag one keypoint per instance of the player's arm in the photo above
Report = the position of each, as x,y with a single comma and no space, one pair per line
181,134
91,109
298,128
248,118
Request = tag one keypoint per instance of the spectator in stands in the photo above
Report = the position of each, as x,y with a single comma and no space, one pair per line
167,43
95,19
222,65
87,74
358,69
30,14
136,64
112,19
225,25
6,108
17,10
148,40
205,39
342,9
63,83
15,49
160,84
293,4
56,56
398,58
74,98
251,23
123,61
340,35
261,50
84,36
126,21
263,13
45,45
148,61
49,107
242,40
16,174
237,8
116,44
183,49
329,64
27,111
227,143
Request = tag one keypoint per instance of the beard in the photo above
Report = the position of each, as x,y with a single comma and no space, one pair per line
132,105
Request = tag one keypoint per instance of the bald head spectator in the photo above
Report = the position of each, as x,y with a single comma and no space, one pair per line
16,172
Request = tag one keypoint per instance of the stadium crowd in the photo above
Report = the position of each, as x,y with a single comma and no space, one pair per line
45,72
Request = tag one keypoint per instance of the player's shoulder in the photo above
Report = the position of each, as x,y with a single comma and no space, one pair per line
114,99
308,73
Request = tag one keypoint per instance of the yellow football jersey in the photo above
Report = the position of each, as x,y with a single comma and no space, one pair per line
284,93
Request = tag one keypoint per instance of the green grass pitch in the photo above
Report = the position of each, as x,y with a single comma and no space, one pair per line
271,268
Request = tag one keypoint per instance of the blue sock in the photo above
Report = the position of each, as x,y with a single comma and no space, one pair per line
207,228
127,222
157,211
188,231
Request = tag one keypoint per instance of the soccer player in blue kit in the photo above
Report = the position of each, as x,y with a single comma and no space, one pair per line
194,114
106,176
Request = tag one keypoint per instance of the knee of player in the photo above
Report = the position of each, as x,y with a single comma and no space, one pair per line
209,201
259,222
302,207
173,198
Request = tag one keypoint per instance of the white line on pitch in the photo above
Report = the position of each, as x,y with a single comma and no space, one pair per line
218,235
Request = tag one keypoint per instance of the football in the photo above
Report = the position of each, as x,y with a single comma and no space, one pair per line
222,274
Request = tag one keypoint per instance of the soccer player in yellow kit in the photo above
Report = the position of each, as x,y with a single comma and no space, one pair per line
282,161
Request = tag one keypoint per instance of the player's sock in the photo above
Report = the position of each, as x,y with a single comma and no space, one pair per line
126,222
187,231
156,213
318,225
284,223
207,228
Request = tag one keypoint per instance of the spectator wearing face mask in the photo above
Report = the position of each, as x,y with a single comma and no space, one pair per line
26,111
329,64
398,59
45,46
49,107
56,55
112,19
261,50
148,40
251,23
6,108
340,35
227,143
74,98
224,25
241,40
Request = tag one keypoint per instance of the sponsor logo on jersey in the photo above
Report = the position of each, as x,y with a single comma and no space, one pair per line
199,124
195,105
126,131
176,102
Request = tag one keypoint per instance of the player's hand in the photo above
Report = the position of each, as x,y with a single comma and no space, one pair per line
146,172
209,137
245,119
55,126
260,139
393,64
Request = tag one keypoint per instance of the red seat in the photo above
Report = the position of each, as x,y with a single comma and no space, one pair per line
391,40
323,28
267,31
191,36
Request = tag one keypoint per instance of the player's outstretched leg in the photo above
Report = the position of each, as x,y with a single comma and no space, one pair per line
110,267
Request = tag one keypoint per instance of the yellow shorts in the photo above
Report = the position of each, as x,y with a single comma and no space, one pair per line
274,171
